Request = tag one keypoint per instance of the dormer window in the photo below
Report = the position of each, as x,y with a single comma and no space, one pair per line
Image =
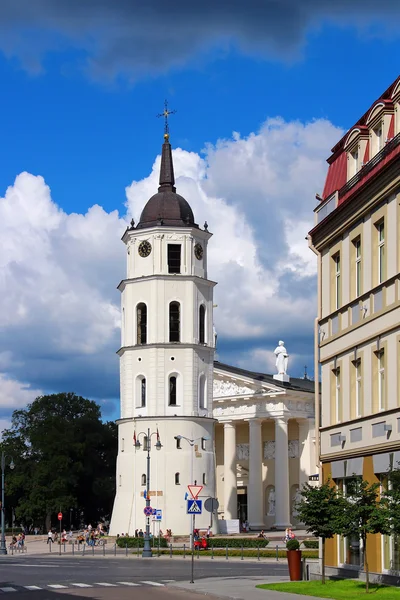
378,143
355,163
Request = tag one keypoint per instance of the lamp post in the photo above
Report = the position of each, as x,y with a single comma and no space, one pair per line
3,545
192,444
147,551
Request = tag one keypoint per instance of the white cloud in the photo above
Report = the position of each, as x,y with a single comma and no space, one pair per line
14,394
59,309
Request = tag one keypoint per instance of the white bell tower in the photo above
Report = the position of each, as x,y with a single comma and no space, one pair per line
166,363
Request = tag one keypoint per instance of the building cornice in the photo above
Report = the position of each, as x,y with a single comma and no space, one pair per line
165,277
167,345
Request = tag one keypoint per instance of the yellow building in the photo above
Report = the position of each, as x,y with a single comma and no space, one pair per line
356,239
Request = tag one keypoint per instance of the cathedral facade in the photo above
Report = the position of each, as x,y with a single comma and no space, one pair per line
246,438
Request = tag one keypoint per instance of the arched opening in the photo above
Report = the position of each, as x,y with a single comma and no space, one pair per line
172,390
143,393
202,392
141,319
174,321
202,323
144,479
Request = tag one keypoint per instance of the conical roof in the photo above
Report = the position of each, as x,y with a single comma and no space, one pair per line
166,207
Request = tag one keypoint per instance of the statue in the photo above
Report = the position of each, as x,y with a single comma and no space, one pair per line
282,358
296,499
271,502
215,335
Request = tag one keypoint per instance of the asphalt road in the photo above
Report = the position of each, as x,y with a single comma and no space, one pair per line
51,578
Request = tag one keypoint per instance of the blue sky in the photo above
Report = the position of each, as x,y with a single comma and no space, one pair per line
79,106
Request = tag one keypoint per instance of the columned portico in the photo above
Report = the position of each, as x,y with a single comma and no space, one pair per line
282,506
230,490
306,429
255,494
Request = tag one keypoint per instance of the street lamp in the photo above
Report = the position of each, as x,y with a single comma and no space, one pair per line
3,546
147,552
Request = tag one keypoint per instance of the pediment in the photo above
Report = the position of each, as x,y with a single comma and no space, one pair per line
237,387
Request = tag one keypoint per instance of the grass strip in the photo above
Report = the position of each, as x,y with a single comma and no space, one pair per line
335,589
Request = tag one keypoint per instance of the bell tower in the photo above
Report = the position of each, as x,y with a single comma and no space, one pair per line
166,360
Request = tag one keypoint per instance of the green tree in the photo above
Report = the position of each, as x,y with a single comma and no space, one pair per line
363,514
64,458
320,509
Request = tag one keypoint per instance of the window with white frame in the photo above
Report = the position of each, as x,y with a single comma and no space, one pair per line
381,251
355,163
381,380
336,260
338,396
378,138
357,254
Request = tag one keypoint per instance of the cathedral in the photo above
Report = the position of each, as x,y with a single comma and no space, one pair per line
247,438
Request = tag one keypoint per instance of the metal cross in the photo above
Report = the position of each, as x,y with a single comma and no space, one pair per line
166,114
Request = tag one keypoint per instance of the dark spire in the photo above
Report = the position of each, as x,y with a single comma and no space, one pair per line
167,178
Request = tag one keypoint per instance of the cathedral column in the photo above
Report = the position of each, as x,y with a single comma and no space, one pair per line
230,486
282,494
255,490
306,428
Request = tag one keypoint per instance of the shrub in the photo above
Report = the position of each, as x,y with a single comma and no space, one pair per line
238,542
293,544
134,542
311,543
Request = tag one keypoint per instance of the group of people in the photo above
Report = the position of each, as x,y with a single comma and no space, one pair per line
18,541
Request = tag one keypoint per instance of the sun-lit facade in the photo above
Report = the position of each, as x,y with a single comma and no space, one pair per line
356,239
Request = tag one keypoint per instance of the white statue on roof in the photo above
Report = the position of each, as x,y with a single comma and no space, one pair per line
282,358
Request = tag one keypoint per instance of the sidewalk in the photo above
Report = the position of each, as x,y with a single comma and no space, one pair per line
238,588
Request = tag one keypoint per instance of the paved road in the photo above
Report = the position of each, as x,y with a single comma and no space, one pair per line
50,578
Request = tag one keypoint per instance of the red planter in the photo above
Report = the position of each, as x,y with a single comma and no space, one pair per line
294,564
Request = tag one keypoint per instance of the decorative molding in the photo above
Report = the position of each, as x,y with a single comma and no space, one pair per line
230,388
242,451
269,450
293,448
174,237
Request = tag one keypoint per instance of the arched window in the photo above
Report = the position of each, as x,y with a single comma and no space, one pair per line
144,479
202,392
141,319
177,479
172,390
174,321
143,393
202,321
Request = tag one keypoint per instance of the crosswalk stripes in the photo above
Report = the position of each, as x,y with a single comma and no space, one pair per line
59,586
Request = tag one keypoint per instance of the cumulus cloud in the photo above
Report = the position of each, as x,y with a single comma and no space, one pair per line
59,308
135,37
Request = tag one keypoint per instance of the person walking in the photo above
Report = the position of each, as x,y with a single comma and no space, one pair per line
49,536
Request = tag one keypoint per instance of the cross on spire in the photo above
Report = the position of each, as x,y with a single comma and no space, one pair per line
166,114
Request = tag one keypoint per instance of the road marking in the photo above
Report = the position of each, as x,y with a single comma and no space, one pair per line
8,589
32,587
57,586
81,585
168,580
127,583
105,584
153,583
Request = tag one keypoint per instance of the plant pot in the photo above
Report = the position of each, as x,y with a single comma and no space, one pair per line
294,564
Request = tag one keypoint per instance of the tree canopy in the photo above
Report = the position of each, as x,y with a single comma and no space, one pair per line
64,457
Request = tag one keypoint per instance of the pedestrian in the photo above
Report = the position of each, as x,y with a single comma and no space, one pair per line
49,536
136,533
208,532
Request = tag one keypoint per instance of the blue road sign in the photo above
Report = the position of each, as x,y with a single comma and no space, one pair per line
158,514
194,507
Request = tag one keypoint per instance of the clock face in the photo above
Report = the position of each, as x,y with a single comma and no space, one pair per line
198,251
144,248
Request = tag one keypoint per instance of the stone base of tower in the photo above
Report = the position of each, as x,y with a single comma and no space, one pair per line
172,469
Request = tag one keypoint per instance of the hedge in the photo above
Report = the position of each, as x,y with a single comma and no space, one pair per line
238,542
249,553
310,543
134,542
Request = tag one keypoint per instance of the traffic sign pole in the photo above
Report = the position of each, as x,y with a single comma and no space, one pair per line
60,519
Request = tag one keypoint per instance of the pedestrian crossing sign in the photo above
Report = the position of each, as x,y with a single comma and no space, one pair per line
194,507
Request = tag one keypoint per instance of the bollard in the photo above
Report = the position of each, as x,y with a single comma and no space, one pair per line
170,550
198,552
115,549
138,548
242,553
212,552
258,552
51,543
64,547
104,549
158,551
277,552
84,546
93,550
227,552
184,550
126,549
